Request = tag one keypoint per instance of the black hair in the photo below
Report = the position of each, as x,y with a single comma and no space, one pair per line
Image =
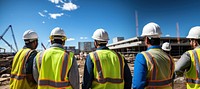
101,43
153,41
59,41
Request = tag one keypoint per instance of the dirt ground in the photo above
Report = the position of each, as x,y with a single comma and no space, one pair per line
179,84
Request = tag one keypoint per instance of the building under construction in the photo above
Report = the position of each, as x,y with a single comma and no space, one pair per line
130,47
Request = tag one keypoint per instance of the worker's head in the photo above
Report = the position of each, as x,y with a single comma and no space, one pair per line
194,36
151,33
100,37
58,36
31,39
166,46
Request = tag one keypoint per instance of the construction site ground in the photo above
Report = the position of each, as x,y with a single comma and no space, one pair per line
179,83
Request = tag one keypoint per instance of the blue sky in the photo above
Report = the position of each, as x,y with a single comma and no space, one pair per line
80,18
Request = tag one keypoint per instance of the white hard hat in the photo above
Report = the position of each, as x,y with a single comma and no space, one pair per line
57,33
166,46
100,35
29,34
194,33
151,30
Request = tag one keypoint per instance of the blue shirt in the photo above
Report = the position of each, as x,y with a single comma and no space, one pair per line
140,70
89,76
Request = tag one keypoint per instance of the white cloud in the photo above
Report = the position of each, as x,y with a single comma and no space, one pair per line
69,6
83,38
167,35
70,39
41,14
43,21
55,15
55,1
45,11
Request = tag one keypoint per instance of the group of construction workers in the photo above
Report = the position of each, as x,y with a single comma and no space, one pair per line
55,68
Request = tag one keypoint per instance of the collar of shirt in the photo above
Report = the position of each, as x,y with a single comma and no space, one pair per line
154,47
57,45
102,47
26,46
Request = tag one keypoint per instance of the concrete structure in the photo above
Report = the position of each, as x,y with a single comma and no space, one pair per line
130,47
117,39
86,46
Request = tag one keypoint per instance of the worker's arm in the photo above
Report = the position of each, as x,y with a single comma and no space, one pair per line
29,66
127,76
88,73
183,64
140,72
74,75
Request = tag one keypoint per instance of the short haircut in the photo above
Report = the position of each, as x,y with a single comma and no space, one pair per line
154,41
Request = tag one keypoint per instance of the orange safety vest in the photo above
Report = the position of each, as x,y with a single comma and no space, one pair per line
18,78
53,67
160,69
108,70
193,74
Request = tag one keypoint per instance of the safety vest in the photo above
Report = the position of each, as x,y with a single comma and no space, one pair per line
18,78
108,70
193,74
160,69
53,66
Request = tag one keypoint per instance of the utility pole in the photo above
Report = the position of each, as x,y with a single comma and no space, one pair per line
136,23
177,30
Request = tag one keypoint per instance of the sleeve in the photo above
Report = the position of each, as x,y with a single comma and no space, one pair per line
74,75
183,64
88,73
140,72
35,70
127,76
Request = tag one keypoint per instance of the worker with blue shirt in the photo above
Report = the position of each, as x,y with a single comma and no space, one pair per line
105,68
153,69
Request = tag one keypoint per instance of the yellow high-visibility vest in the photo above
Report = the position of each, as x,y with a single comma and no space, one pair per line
193,74
108,70
160,69
53,66
18,73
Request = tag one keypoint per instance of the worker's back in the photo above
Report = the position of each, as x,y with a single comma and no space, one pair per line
160,69
54,67
108,70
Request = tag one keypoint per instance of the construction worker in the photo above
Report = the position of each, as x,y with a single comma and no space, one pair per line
166,47
153,68
189,61
22,66
55,68
105,68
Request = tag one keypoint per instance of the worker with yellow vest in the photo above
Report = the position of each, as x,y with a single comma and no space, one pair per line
153,69
55,68
105,68
189,61
22,66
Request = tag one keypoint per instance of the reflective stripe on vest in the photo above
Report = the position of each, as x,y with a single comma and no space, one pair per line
22,73
53,83
197,63
63,82
193,81
153,82
101,77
